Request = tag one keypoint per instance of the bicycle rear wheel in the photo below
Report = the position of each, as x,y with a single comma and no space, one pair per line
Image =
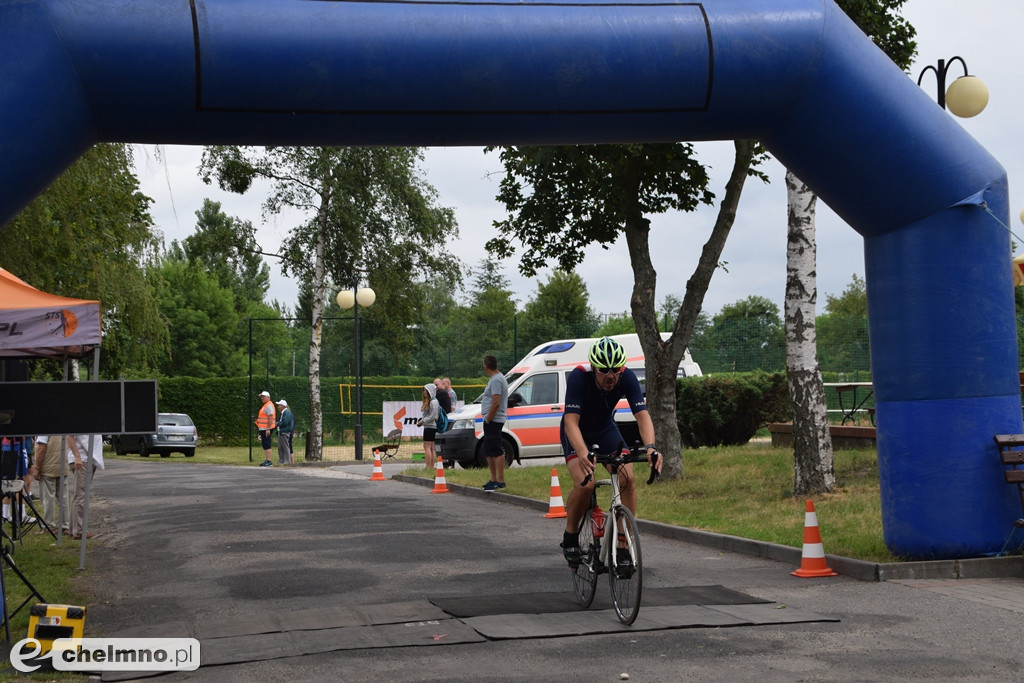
627,578
584,575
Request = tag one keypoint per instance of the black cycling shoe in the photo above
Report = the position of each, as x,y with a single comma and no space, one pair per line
623,564
572,554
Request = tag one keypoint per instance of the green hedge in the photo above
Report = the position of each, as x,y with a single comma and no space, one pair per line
726,410
711,411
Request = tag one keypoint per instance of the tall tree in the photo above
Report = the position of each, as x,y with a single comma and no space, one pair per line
484,322
369,216
843,330
90,236
217,247
202,322
561,199
749,335
813,462
560,308
852,302
623,323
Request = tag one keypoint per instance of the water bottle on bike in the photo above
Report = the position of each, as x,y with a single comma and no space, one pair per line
597,520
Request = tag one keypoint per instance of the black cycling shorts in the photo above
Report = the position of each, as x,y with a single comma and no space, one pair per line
606,440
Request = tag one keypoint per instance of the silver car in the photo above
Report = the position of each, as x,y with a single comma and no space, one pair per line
175,432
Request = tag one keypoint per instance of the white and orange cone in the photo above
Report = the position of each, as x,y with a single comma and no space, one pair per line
440,485
378,470
812,563
556,508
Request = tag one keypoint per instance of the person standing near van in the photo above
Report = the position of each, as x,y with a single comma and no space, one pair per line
493,407
590,400
453,399
431,411
442,396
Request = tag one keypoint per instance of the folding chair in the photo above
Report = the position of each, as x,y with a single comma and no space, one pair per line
392,442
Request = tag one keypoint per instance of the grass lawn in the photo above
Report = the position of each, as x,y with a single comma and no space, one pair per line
743,491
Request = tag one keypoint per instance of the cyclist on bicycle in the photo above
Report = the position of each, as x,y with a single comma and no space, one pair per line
591,396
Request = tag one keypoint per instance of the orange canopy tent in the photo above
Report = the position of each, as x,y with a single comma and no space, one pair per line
39,324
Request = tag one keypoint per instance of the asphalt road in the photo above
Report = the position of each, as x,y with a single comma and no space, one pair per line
194,542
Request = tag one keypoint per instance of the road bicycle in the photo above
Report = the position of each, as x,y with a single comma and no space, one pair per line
625,566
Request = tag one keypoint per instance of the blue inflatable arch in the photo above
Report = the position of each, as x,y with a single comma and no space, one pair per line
795,74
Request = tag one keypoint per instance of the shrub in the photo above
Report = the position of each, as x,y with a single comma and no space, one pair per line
727,410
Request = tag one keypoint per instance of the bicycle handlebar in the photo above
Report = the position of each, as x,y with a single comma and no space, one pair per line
622,456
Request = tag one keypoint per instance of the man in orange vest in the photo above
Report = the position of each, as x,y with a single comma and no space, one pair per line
265,421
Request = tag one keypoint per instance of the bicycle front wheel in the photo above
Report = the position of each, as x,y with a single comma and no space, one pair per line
584,575
626,573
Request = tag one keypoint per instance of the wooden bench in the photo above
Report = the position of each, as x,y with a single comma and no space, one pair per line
392,442
1011,452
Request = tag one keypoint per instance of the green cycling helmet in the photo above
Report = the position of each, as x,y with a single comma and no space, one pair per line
606,354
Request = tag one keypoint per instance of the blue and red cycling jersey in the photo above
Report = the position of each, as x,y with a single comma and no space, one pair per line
597,408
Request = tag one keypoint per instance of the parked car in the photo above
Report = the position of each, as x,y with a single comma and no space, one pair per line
175,432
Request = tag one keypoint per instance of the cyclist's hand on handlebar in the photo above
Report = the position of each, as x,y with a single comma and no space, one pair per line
588,462
654,460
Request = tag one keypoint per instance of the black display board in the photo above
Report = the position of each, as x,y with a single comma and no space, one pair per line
103,407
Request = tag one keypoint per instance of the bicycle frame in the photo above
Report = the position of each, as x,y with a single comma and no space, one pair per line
605,554
626,579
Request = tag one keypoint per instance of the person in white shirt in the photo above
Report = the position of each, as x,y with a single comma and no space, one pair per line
83,463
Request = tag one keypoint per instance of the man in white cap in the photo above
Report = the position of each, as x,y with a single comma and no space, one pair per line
285,430
265,421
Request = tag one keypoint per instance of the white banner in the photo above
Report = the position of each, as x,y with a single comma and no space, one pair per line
403,415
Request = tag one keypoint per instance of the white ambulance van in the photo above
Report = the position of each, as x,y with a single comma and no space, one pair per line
536,388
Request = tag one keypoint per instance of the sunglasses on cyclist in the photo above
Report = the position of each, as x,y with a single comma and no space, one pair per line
608,371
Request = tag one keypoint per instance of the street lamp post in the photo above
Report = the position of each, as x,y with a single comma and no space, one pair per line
354,298
967,96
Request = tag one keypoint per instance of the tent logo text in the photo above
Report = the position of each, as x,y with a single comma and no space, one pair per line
62,323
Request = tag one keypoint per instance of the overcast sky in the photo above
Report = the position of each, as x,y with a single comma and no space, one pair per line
984,32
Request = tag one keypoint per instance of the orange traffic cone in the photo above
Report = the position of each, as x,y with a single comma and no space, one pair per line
440,485
812,563
556,508
378,471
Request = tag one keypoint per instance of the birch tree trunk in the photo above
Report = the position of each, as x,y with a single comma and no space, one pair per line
315,438
813,469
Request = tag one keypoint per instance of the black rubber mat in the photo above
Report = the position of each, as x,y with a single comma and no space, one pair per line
560,624
297,620
447,620
546,603
238,649
303,632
